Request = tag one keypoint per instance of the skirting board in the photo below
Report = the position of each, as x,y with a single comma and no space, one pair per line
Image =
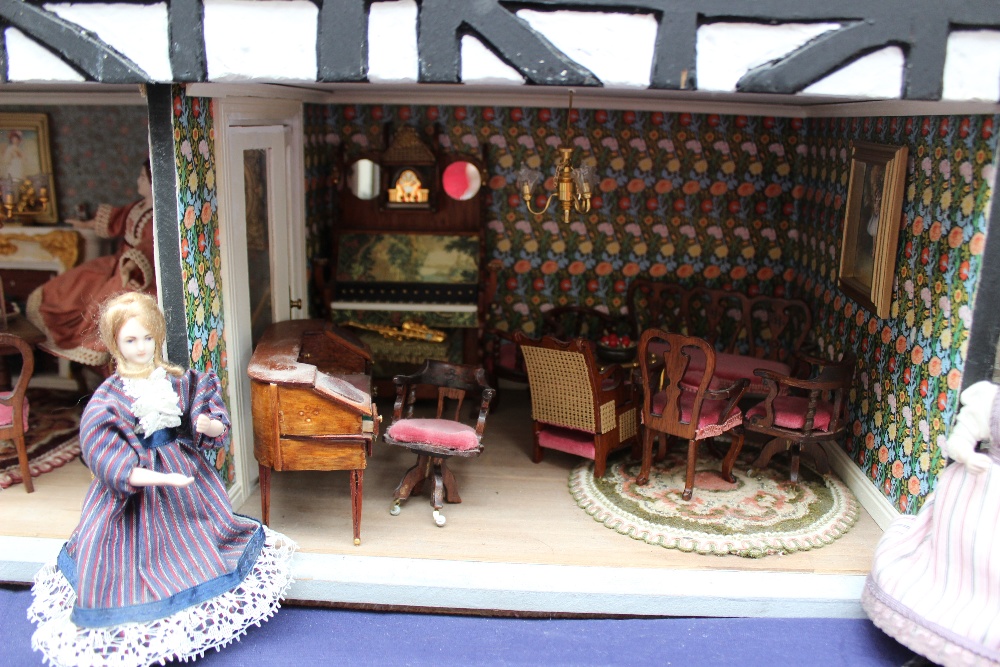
502,588
876,504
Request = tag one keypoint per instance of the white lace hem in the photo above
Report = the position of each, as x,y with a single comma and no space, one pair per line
186,634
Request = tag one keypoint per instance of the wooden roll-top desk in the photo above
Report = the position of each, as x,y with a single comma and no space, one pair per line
311,395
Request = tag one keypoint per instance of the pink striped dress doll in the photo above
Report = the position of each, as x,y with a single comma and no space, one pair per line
159,567
935,578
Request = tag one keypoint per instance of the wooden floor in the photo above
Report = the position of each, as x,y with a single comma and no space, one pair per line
512,512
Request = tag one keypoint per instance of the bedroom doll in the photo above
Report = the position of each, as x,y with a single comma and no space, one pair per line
159,567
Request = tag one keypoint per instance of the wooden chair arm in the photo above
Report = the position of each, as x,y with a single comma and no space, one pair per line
797,383
487,392
733,393
406,394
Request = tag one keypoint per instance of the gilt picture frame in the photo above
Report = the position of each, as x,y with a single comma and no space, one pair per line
27,183
872,223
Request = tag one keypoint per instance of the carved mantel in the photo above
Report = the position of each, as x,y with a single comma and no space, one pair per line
55,249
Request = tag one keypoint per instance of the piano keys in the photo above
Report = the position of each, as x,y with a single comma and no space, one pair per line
312,403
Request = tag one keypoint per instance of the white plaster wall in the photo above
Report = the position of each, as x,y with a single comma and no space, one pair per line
29,61
392,42
878,75
139,32
617,48
261,40
972,66
727,51
480,65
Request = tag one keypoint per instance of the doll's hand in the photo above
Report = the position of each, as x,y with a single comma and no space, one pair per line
205,425
146,477
176,479
82,224
976,462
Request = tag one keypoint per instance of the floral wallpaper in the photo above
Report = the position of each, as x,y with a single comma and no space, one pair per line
749,203
909,364
703,199
97,152
322,173
197,204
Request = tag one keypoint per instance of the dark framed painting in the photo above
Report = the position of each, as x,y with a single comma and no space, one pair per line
26,180
871,226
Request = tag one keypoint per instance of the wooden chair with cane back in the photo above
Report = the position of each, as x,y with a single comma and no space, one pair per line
576,407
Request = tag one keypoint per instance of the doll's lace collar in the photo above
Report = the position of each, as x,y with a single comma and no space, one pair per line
155,403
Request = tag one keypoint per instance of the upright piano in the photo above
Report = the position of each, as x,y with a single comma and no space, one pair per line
311,395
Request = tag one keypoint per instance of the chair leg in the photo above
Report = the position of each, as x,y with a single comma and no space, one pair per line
413,478
536,454
768,451
818,455
450,484
22,457
691,463
732,455
647,455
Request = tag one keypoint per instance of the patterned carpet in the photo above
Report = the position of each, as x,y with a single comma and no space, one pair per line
753,517
52,438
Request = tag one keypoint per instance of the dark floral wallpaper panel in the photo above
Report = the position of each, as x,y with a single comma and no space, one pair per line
909,364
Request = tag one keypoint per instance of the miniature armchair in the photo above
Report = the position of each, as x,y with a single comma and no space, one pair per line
436,439
799,414
576,407
675,404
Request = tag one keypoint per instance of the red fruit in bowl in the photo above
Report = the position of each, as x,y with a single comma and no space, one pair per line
605,340
613,339
626,341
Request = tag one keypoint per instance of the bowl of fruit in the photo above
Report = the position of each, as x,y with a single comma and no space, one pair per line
616,349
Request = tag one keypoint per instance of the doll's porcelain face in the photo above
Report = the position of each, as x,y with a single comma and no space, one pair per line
143,185
136,343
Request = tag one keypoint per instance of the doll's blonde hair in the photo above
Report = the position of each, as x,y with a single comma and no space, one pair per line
120,309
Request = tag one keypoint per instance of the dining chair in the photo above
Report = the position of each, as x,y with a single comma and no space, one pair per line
673,405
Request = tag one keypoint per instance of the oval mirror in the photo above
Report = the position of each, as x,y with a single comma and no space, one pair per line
461,180
364,179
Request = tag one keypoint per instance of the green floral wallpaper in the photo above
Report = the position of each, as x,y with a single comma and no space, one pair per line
197,204
909,364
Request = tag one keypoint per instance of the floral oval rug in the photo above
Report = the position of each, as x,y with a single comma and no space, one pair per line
753,517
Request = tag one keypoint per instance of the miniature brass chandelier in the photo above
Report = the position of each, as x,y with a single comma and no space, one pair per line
574,183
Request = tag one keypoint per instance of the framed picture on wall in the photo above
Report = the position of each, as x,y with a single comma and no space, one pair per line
871,227
26,181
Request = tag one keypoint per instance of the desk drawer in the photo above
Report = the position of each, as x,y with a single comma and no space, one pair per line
314,454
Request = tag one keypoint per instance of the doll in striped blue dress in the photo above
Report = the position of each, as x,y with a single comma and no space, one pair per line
159,566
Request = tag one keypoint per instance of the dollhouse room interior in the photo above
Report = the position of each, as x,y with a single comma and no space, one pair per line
399,217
